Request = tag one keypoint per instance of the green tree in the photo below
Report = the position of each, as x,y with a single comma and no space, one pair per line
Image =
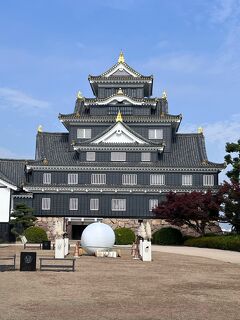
231,204
21,219
233,159
231,190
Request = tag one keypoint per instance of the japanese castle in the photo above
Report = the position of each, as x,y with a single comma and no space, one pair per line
119,157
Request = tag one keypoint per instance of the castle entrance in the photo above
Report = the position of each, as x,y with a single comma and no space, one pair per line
77,231
76,226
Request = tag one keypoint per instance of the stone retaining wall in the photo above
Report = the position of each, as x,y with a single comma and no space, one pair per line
49,225
156,224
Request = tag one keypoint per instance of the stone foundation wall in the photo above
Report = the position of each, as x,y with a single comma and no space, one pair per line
156,224
49,225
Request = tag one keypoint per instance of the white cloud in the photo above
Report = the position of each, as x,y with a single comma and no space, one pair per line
224,10
9,154
220,131
19,100
217,134
6,154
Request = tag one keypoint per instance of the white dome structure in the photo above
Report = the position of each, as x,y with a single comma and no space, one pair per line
97,236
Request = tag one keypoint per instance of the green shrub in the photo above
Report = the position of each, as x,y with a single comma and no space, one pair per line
167,236
35,234
124,236
226,242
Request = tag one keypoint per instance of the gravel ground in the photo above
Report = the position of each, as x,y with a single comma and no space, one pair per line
171,287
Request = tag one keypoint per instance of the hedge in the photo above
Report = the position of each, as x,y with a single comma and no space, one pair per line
227,242
124,236
35,234
167,236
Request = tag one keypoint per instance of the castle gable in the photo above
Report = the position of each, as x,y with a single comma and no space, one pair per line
119,134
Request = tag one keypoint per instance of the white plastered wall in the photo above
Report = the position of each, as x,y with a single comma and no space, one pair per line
5,194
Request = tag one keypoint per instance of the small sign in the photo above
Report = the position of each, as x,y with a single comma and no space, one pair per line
28,261
46,245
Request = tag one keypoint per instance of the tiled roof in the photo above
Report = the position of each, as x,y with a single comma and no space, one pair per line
188,151
12,171
111,118
145,101
117,64
120,78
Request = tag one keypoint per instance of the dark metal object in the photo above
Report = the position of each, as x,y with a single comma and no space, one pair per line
28,261
46,245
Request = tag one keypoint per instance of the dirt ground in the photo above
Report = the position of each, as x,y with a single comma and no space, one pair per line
171,287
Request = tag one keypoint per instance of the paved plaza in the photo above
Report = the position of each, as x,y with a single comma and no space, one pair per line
171,287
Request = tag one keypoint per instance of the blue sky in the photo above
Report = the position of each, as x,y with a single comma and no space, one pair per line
48,49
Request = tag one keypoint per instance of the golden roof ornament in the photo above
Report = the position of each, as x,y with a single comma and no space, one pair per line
79,95
120,91
200,130
45,161
164,95
119,117
40,129
121,58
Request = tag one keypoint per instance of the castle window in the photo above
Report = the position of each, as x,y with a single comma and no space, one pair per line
94,204
73,204
118,204
208,180
129,179
153,203
84,133
157,179
118,156
155,134
98,178
46,203
186,179
47,178
72,178
90,156
127,110
145,156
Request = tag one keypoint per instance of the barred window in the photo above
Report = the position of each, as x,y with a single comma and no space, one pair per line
72,178
208,179
153,203
124,110
118,204
94,204
145,156
186,179
90,156
47,178
98,178
84,133
118,156
46,203
157,179
129,179
73,204
155,134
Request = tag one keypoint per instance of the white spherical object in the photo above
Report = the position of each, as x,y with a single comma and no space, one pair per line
97,236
